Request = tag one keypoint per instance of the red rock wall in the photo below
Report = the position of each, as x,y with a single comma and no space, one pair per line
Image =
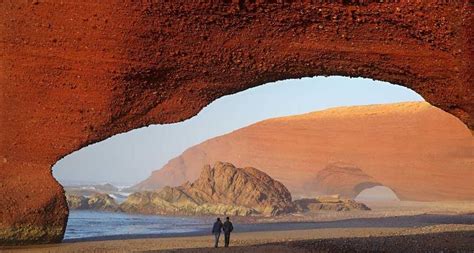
76,72
415,149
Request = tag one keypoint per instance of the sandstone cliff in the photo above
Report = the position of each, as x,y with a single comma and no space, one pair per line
419,151
221,189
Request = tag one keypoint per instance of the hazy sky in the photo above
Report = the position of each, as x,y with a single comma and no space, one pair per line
127,158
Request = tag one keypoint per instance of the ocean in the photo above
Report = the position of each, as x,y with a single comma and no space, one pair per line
93,225
83,224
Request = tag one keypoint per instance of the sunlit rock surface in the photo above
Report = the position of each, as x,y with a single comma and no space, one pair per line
417,150
221,189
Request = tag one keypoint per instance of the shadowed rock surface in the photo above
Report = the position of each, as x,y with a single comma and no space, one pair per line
97,201
77,201
415,149
221,189
333,203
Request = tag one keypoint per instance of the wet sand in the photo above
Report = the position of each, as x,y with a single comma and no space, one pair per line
413,228
420,239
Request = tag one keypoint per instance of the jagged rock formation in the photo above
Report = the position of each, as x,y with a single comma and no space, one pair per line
417,150
97,201
170,201
77,201
332,203
221,189
102,202
77,72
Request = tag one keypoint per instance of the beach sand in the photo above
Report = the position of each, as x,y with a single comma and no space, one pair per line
440,237
404,227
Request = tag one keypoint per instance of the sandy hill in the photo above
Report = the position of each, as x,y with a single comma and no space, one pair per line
419,151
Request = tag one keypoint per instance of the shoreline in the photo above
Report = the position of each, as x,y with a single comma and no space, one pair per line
442,224
264,235
449,237
383,214
368,223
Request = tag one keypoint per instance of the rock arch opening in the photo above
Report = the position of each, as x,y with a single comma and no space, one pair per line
377,193
107,160
335,173
134,63
346,180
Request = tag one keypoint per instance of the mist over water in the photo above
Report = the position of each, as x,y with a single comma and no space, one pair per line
377,193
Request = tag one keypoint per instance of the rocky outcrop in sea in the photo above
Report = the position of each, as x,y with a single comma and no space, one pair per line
97,201
220,189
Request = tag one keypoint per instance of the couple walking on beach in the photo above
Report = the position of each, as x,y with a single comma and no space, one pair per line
227,227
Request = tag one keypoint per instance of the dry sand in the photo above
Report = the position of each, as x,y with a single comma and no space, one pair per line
402,227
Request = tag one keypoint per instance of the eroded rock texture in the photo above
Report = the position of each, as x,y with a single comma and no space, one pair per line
77,72
97,201
331,203
221,189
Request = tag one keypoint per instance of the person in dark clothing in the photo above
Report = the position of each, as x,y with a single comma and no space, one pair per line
216,231
227,227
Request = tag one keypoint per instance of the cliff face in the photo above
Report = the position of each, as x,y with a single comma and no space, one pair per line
77,72
221,189
419,151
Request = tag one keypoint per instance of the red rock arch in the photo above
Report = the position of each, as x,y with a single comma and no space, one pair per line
76,72
345,180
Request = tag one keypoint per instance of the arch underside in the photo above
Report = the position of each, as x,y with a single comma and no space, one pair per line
77,72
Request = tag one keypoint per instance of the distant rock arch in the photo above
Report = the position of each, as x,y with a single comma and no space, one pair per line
343,179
